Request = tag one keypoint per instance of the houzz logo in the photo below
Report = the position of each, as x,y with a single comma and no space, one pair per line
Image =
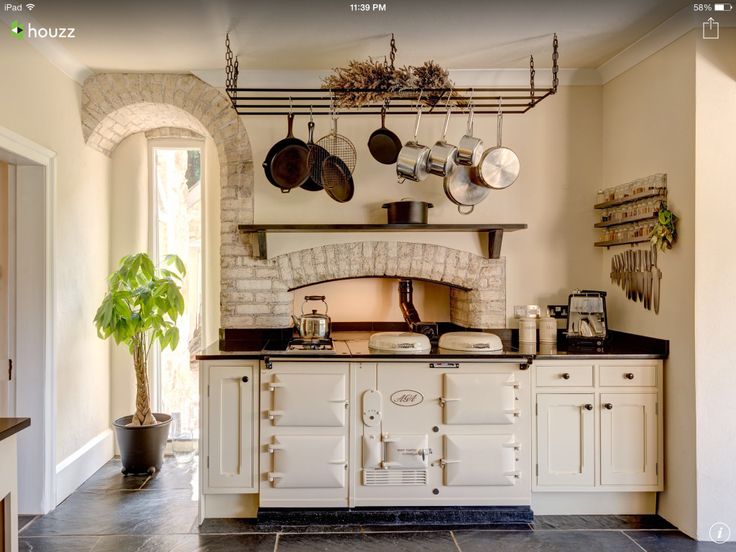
29,31
17,30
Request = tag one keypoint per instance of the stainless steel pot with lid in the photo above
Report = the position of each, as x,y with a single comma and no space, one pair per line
313,325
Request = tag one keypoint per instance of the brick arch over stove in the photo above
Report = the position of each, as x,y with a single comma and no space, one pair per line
263,297
116,105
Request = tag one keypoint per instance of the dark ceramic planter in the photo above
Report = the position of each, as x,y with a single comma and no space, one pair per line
142,447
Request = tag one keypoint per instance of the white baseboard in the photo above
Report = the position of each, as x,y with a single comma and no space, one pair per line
76,468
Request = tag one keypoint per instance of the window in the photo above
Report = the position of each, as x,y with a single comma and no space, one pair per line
176,224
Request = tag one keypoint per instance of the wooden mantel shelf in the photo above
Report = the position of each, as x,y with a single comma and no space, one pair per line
494,231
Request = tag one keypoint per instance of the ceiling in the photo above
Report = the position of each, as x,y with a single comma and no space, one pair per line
186,35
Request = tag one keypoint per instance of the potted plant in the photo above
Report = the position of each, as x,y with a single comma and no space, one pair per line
140,309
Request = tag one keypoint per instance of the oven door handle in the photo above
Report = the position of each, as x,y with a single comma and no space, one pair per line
275,385
273,447
445,400
515,473
514,411
272,414
514,445
338,462
274,475
443,462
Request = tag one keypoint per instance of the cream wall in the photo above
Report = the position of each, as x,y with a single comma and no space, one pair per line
715,270
41,103
559,145
649,127
129,233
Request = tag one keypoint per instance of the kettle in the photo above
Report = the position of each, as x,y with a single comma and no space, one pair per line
313,325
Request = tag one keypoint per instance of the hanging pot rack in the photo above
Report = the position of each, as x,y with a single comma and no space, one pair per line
321,101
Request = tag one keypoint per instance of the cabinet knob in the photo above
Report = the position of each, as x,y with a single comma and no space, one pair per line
608,406
588,406
245,379
629,376
566,376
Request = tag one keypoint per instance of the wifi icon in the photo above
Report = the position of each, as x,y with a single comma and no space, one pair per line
30,7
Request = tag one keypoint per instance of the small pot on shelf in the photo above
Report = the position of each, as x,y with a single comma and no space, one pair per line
407,211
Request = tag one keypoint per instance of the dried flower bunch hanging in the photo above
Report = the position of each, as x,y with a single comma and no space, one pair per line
383,80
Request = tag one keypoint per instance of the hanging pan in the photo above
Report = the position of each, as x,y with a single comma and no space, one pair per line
383,144
499,166
337,179
469,148
317,155
286,165
412,161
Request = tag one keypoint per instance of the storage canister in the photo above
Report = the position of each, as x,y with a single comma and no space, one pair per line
527,330
548,329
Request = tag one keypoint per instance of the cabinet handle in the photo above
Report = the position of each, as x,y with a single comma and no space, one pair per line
608,406
566,376
245,379
629,376
588,406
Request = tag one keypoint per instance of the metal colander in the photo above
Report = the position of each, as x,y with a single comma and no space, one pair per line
338,146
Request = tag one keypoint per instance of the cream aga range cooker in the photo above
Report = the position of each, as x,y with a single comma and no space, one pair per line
395,430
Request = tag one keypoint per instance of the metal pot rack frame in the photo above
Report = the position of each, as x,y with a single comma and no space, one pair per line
320,101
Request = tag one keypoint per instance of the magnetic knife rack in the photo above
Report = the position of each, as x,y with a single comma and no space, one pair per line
319,101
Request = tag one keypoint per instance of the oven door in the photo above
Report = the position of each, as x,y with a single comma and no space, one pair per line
479,460
307,461
308,400
475,399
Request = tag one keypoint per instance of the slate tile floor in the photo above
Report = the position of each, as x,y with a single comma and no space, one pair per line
112,513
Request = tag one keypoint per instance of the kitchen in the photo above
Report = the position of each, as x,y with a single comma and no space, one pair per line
272,418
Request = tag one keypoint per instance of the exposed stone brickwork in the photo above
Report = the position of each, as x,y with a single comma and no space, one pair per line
116,105
262,296
172,132
257,293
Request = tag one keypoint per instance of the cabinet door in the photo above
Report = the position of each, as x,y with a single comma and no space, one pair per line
628,439
232,450
565,439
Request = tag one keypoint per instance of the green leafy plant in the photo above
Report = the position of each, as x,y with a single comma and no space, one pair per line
664,233
141,307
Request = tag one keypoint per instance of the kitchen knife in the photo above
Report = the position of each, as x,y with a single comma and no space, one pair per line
647,281
656,277
639,275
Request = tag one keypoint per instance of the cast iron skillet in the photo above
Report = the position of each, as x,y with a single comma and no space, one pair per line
383,144
317,154
286,164
337,179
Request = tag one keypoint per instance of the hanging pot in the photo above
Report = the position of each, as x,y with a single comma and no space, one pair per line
407,211
442,155
461,188
498,167
412,161
470,148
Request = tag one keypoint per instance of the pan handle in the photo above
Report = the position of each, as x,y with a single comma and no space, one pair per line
471,116
447,123
285,190
416,126
460,209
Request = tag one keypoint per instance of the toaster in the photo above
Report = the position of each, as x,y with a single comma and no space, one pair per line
587,322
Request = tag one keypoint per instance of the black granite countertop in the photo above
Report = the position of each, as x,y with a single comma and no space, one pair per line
354,344
11,426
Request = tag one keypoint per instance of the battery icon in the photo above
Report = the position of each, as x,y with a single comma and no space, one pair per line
723,7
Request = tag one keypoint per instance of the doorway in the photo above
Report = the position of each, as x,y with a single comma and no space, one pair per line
176,228
27,177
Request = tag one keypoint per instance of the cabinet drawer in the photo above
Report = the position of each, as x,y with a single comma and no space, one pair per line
628,376
565,376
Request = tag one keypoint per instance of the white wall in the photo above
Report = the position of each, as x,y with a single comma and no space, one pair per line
558,143
41,103
715,270
649,127
129,233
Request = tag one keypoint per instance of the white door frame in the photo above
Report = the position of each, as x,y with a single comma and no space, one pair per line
37,445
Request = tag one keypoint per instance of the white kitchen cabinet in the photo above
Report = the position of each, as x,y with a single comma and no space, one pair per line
629,439
600,428
565,439
230,409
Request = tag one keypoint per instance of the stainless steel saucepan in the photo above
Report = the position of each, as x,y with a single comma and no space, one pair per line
412,161
462,189
470,148
498,167
442,155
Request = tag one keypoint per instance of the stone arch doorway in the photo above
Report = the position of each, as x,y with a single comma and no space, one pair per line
114,106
